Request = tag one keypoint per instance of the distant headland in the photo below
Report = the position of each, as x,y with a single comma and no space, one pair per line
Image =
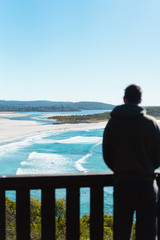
99,117
51,106
54,106
91,118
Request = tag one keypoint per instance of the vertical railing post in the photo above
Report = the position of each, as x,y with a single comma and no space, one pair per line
48,213
96,205
158,213
2,215
23,214
72,214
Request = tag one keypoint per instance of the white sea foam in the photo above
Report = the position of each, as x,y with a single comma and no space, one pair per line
41,159
78,164
21,171
44,141
72,140
12,147
24,142
81,139
38,163
25,163
41,138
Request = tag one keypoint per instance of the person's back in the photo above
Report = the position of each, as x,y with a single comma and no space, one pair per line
131,148
131,138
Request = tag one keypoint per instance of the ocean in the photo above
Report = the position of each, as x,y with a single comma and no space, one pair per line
57,152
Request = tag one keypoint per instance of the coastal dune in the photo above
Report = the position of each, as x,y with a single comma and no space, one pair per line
11,130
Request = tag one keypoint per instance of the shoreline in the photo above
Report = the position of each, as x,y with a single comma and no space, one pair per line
14,130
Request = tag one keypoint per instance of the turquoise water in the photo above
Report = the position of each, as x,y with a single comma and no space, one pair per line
58,152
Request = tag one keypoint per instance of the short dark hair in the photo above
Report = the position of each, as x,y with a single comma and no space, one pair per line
133,93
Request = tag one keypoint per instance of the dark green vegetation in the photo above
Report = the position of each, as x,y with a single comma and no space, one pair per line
49,106
35,223
82,118
92,106
8,108
153,111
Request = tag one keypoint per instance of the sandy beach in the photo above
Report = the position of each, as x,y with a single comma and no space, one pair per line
11,130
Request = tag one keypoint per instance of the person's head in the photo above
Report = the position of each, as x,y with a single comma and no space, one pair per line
133,94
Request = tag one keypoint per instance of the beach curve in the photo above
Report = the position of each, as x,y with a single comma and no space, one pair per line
11,130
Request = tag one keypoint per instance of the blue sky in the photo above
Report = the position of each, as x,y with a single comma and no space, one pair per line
79,50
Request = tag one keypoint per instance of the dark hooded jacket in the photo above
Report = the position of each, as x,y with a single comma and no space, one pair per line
131,142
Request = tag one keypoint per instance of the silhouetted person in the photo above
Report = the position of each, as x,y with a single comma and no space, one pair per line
131,149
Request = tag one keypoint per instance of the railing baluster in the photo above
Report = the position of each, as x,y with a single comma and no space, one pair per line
158,222
96,221
23,214
73,218
2,215
158,210
48,214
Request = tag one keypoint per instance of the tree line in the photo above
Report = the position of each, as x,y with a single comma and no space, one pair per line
10,108
60,220
81,118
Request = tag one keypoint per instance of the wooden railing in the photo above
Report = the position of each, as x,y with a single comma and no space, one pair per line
47,184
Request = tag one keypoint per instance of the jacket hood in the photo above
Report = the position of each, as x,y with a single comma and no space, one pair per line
128,110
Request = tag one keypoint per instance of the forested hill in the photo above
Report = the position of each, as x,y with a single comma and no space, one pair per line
51,106
153,111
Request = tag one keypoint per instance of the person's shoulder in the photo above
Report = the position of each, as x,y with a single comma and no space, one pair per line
150,119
